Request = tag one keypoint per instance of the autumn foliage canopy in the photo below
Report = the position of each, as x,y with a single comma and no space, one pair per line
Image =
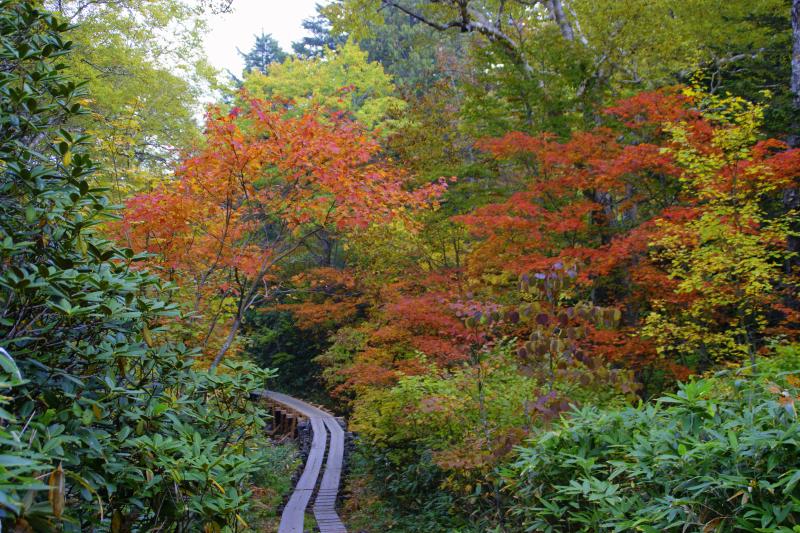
651,248
261,188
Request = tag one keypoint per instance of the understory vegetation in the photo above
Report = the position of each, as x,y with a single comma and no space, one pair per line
716,454
542,255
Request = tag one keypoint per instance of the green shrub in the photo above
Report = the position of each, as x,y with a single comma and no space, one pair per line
102,427
719,455
402,498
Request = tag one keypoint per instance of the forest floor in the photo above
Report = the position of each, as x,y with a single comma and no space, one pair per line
271,490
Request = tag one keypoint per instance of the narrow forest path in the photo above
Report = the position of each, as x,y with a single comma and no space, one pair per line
327,440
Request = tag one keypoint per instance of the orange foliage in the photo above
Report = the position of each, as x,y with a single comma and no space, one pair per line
596,200
262,184
599,200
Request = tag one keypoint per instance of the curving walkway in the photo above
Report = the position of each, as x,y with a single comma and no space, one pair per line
323,424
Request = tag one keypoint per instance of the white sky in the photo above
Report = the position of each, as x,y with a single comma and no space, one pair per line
281,18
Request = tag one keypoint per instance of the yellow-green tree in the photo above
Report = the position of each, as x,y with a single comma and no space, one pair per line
342,80
144,67
546,65
727,250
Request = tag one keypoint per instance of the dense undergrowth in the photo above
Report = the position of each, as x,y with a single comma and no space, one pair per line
271,487
718,454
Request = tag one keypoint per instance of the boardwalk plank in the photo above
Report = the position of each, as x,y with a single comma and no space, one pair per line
325,514
294,512
325,503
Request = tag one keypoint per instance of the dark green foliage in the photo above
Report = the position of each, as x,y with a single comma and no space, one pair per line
411,52
264,52
276,342
760,73
119,430
321,39
408,51
718,455
404,499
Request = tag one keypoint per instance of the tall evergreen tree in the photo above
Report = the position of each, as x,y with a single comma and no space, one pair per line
264,52
320,40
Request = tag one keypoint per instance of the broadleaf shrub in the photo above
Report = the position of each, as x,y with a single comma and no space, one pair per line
721,454
104,426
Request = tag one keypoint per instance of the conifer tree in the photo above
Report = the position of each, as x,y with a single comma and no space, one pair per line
264,52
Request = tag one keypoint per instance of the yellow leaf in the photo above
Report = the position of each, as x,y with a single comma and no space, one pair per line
148,337
218,486
89,489
57,491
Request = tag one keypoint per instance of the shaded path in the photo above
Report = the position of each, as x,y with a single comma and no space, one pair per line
323,424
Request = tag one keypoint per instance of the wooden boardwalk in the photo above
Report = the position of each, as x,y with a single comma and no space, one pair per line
323,425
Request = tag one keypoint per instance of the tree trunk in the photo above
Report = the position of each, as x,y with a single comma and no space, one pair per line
791,197
228,342
557,12
248,297
795,86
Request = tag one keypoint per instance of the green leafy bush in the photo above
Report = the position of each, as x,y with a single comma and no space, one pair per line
103,427
718,455
403,498
272,486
